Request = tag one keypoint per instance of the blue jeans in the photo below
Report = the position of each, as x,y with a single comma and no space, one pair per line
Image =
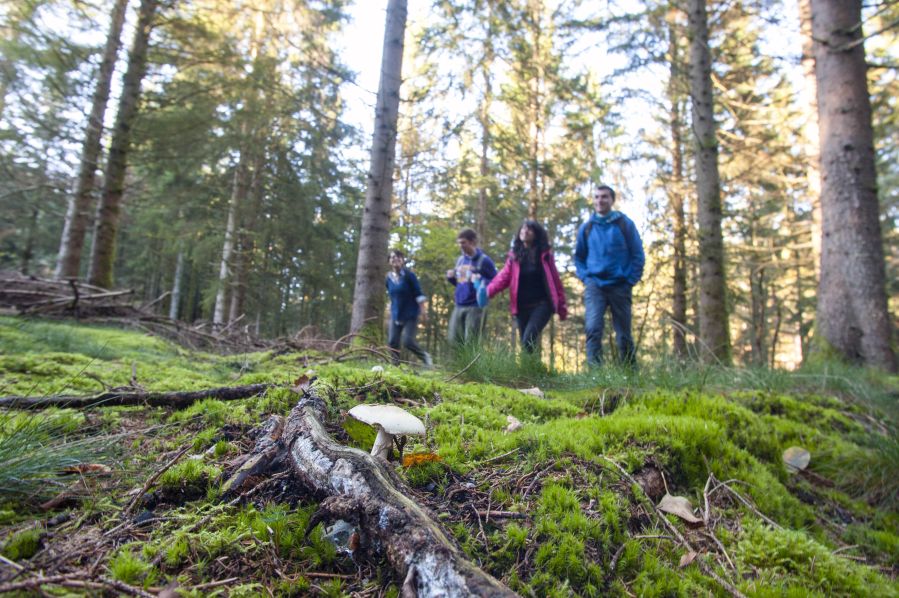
403,334
596,300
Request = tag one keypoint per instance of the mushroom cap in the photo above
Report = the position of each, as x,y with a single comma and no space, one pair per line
390,418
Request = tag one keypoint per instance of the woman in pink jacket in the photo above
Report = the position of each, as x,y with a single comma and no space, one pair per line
535,289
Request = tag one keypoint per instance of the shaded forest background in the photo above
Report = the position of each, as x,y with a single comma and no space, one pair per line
236,184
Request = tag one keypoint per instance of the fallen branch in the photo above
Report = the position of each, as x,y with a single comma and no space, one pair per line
35,583
177,400
366,492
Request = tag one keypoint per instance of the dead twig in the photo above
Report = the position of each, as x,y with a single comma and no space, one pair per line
463,370
743,500
152,480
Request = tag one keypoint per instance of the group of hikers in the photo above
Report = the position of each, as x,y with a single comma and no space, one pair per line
608,259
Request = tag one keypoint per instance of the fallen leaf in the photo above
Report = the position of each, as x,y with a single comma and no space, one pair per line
796,458
302,384
514,424
534,392
688,558
87,468
680,506
414,459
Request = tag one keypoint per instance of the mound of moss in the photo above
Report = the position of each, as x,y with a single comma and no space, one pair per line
544,507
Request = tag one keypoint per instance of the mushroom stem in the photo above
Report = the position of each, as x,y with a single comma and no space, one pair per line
383,444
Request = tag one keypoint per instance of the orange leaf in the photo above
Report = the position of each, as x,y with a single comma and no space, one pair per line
87,468
414,459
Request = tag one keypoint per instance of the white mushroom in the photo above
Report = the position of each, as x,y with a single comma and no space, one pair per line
390,421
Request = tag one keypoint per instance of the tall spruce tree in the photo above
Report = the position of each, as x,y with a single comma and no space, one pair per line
852,308
368,296
71,244
106,227
713,319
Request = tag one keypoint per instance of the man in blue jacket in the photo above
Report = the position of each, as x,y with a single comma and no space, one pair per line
609,260
473,268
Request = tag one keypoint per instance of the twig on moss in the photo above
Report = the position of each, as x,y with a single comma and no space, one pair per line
706,569
152,480
743,500
463,370
35,583
500,457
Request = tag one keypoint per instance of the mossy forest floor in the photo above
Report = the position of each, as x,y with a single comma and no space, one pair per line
562,506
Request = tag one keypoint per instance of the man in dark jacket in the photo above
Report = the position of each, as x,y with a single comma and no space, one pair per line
473,268
609,260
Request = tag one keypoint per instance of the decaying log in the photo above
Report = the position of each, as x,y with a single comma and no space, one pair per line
117,398
365,492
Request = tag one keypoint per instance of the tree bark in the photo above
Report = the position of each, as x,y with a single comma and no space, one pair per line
238,196
712,301
853,317
106,226
364,491
810,133
676,196
111,398
371,265
71,243
176,282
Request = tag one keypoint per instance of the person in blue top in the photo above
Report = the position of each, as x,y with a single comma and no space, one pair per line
407,303
609,260
473,269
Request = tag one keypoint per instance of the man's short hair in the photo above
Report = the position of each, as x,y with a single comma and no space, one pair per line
398,253
469,234
607,188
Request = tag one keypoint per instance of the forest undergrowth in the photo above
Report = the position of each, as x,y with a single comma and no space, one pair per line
554,495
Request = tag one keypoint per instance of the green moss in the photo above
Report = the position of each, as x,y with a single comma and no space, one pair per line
790,559
190,472
23,544
128,567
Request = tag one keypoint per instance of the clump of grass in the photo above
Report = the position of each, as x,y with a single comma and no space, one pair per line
35,448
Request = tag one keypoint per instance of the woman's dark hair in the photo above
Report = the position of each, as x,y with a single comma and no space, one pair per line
540,244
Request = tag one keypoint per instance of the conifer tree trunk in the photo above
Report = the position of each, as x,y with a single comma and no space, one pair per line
371,265
244,255
712,302
106,226
810,132
238,196
176,282
676,198
71,243
852,306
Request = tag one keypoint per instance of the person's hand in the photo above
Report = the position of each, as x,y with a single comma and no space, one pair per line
451,273
423,315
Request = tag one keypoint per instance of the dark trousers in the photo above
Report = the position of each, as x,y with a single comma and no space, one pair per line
596,301
404,332
531,322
